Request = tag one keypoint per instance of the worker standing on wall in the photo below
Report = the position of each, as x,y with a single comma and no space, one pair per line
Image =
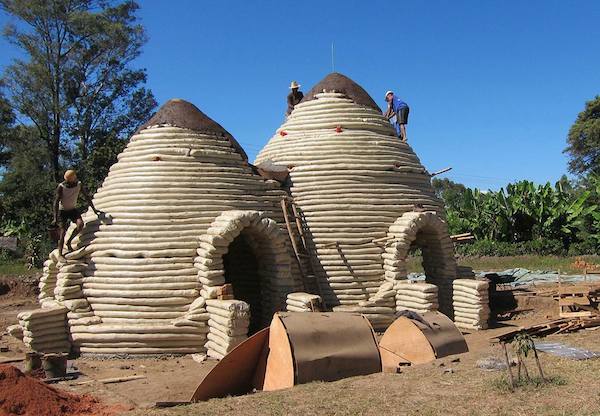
397,114
294,97
65,207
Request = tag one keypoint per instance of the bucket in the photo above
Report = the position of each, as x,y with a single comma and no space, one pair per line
33,362
55,365
54,233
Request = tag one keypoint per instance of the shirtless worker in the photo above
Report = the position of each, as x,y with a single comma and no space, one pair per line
397,113
65,207
293,97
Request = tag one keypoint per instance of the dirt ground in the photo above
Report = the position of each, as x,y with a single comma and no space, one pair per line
444,387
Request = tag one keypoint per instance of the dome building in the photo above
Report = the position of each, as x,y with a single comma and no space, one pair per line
184,213
365,198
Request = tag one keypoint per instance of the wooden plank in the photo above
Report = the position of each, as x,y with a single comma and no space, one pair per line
11,360
574,301
576,314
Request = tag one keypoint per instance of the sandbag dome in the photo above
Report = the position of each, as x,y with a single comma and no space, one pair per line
365,197
179,201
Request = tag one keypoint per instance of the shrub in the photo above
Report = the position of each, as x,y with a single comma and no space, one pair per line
541,246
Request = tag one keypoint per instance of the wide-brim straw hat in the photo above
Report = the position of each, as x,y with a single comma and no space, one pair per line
294,84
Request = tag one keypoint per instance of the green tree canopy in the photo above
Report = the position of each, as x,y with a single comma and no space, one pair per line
75,84
584,140
7,118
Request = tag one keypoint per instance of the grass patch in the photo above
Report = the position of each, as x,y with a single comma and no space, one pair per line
503,384
531,262
11,268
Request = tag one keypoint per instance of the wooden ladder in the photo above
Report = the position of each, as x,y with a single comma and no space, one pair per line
301,252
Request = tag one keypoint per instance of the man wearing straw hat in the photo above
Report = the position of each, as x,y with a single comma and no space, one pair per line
293,97
65,207
397,114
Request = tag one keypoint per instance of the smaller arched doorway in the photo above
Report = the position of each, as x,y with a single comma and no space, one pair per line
428,232
249,251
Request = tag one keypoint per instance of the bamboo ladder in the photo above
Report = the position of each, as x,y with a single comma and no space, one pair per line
301,252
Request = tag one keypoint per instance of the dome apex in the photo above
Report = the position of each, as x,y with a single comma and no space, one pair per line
340,83
181,113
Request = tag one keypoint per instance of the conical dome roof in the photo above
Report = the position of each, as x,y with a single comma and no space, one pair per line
137,271
336,82
353,179
180,113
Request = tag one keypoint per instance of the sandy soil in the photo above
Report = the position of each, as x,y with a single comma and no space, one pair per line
426,389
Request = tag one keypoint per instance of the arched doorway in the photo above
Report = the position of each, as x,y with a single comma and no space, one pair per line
249,251
241,264
428,232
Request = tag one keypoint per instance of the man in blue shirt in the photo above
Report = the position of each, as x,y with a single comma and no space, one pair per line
397,114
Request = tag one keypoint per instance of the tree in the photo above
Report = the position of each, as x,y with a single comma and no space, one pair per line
76,86
7,119
584,140
449,191
27,188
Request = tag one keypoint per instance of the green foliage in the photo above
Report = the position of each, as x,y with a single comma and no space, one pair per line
541,247
584,140
27,187
75,87
525,218
75,84
7,118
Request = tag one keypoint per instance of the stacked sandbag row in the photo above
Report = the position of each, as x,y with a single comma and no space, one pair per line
471,303
264,237
70,279
49,277
45,330
417,297
428,232
303,302
228,325
352,178
175,177
379,309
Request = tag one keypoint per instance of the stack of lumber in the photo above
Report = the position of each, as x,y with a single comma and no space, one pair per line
556,326
417,297
228,325
471,303
303,302
579,300
462,238
45,330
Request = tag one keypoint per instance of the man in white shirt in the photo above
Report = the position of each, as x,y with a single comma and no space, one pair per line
65,207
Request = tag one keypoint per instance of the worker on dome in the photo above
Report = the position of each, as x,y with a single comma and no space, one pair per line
397,114
293,97
65,207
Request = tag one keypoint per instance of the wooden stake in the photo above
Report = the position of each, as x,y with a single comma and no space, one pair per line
525,369
293,241
510,374
110,380
537,361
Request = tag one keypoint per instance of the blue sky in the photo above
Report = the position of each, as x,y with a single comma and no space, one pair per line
493,86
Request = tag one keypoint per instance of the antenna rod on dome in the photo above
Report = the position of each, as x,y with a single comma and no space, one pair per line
332,60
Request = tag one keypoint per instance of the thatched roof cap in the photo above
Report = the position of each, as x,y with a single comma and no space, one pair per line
181,113
340,83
